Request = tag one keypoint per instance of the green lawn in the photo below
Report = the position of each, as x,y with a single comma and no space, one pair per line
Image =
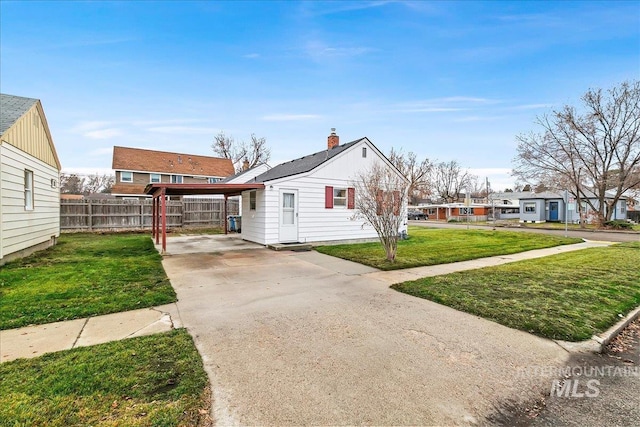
429,246
568,296
155,380
84,275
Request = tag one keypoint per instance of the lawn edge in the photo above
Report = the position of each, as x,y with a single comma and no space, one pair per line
598,342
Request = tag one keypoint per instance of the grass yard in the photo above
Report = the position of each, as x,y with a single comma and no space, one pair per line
83,275
155,380
568,296
430,246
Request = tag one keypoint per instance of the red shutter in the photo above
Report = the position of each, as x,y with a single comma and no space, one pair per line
396,203
379,201
351,198
328,197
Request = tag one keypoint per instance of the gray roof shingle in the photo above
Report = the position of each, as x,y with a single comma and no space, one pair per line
12,108
303,164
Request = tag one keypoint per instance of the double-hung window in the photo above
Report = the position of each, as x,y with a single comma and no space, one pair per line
126,176
176,179
28,190
529,207
154,178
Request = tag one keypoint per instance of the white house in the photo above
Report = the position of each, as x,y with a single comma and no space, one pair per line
311,199
549,206
29,177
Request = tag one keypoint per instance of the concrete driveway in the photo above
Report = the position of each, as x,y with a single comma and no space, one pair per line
302,338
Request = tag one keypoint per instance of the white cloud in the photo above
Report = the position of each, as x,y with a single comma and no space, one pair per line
103,133
188,130
289,117
89,126
319,50
251,55
96,129
478,119
532,106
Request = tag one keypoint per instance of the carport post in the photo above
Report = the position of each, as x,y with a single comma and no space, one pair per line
164,220
224,213
153,217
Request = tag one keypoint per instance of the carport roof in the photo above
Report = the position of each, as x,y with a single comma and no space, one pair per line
200,189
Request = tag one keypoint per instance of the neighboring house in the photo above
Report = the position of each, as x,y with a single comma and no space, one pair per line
549,206
29,177
135,168
455,211
311,199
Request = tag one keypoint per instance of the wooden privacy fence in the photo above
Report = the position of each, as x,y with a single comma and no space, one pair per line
90,215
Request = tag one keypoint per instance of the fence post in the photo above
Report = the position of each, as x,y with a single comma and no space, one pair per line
90,212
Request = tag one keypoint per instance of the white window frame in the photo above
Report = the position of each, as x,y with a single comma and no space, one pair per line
529,207
177,179
213,180
252,200
157,176
465,211
338,199
123,179
28,190
623,206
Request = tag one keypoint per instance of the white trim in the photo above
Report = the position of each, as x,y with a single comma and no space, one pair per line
130,180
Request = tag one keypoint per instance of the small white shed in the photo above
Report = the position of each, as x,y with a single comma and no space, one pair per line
29,177
311,199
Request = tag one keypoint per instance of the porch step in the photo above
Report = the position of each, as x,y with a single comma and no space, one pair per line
298,247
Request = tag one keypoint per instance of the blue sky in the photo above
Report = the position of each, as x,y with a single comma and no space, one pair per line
446,80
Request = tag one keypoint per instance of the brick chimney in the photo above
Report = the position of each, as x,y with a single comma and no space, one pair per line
333,140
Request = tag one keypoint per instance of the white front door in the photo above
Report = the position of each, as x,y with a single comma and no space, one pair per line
288,216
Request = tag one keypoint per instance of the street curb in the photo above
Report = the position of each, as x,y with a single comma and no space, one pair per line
605,338
597,343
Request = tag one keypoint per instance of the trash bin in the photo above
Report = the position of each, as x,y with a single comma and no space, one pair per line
234,223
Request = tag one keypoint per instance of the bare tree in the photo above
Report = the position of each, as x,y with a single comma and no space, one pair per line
87,184
450,180
591,152
71,183
417,172
381,201
98,184
243,154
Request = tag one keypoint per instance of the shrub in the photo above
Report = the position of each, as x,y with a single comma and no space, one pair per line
619,224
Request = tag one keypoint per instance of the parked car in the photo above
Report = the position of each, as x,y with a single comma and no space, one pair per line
417,215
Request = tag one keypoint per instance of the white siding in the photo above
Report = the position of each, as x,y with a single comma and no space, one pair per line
315,222
253,221
19,228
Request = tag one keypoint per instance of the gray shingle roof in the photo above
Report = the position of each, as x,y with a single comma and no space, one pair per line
12,108
303,164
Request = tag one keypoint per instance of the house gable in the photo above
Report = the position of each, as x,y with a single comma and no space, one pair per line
24,126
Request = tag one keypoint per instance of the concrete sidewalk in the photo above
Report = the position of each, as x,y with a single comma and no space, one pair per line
398,276
34,341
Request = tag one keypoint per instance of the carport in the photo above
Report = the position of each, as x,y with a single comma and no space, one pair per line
160,191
